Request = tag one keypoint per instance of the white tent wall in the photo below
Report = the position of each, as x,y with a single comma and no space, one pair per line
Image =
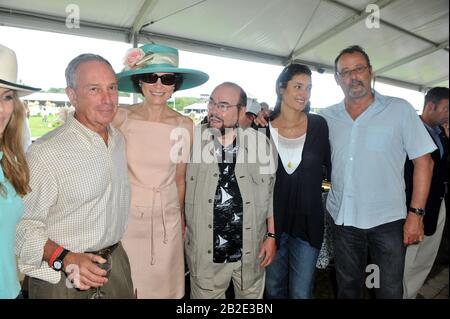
408,47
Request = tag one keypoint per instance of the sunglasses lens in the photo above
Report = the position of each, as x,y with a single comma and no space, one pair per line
149,78
167,79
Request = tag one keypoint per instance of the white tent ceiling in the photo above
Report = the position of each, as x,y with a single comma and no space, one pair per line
409,48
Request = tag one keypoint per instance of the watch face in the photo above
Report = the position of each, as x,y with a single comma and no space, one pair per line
57,265
417,211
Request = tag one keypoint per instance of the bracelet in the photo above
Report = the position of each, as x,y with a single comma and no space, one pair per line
269,234
55,255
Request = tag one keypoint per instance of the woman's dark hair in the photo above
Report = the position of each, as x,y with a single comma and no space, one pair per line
137,77
285,76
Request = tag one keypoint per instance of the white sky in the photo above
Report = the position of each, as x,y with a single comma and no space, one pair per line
43,57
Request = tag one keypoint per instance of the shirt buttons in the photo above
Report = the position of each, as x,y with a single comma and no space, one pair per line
209,251
209,226
209,200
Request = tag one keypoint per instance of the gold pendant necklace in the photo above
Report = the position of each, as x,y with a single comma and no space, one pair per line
290,156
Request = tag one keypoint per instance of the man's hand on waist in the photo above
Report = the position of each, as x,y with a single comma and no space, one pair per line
83,271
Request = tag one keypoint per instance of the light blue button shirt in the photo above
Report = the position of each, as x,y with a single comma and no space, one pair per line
11,209
368,156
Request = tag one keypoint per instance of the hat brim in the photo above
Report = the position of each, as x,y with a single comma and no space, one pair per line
22,90
191,78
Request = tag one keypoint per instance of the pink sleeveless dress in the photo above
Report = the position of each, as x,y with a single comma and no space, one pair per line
153,239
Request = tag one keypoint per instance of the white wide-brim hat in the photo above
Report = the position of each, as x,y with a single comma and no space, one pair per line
8,73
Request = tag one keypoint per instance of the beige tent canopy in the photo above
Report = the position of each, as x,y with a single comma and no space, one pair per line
407,40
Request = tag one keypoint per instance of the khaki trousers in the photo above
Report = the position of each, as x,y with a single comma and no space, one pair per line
223,274
119,285
420,258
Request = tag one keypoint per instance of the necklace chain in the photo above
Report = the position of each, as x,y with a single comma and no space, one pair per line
290,154
296,125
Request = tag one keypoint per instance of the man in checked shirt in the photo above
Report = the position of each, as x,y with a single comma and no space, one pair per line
78,207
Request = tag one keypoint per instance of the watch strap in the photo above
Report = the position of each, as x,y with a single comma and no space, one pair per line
63,255
55,255
417,211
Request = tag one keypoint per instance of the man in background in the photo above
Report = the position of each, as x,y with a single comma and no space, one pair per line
420,256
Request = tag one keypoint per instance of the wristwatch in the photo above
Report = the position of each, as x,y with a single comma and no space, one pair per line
417,211
269,234
58,263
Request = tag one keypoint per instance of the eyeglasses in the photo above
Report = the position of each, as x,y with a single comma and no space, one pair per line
347,73
166,79
222,106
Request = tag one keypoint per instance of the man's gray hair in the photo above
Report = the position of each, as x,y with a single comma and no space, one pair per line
75,63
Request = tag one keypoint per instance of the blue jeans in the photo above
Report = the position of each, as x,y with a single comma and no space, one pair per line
291,274
384,243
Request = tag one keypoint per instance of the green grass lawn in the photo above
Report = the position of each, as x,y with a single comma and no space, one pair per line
39,128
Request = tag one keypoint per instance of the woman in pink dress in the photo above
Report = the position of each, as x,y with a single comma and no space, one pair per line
158,141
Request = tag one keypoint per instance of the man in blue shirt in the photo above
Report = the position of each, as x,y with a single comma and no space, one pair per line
370,136
420,257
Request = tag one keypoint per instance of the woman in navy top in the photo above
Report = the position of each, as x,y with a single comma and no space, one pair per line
303,148
14,176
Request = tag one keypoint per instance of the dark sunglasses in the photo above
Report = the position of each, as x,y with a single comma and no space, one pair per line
166,79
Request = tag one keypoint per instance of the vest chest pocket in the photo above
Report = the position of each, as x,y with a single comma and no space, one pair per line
262,184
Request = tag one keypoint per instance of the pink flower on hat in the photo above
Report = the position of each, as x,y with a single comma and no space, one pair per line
132,56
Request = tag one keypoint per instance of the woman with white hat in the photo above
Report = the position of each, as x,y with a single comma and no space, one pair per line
14,175
155,136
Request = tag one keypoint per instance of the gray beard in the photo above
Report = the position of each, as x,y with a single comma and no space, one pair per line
361,93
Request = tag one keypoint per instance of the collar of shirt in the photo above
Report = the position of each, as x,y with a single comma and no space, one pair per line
379,104
210,142
87,134
436,130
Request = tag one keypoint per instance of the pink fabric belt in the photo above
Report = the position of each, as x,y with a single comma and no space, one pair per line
157,190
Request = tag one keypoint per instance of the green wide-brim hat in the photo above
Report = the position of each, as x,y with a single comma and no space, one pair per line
156,58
